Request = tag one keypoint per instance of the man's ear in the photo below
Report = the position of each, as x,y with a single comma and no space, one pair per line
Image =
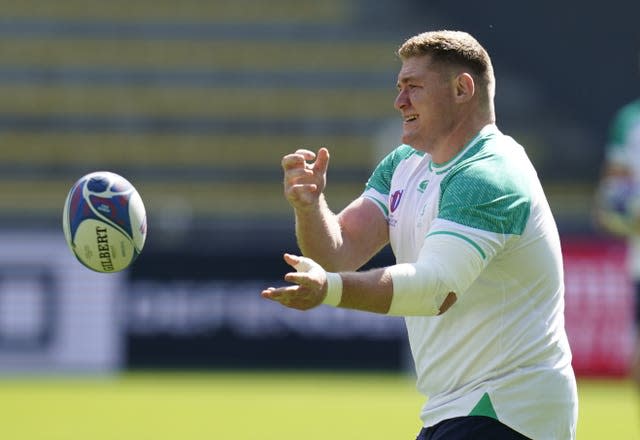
465,87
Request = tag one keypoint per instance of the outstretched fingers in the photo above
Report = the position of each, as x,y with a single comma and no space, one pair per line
295,297
293,260
299,278
278,293
307,284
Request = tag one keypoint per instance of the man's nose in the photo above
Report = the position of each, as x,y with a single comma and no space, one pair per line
402,100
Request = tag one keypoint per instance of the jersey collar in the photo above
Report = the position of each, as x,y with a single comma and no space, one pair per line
487,130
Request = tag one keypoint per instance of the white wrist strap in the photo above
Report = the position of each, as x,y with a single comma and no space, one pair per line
334,289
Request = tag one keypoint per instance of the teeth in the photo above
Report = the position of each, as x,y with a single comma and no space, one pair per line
410,118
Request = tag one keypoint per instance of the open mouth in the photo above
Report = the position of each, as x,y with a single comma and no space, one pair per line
410,118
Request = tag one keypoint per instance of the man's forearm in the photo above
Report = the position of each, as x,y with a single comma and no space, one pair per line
318,234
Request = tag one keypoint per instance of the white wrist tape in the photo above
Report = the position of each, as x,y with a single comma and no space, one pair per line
334,289
446,264
334,280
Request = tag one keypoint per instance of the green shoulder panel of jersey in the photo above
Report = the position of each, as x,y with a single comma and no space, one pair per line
625,119
488,188
380,179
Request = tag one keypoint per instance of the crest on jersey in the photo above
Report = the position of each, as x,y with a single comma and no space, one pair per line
395,199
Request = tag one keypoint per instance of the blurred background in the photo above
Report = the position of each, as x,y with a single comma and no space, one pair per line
195,102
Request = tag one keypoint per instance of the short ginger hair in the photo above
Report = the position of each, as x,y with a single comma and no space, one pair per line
452,48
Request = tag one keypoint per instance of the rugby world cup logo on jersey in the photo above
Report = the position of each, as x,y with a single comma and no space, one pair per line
395,200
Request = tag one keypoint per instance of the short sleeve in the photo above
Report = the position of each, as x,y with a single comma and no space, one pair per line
378,186
491,196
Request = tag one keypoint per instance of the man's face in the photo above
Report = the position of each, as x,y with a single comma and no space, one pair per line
426,101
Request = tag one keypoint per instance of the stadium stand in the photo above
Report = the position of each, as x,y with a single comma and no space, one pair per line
194,102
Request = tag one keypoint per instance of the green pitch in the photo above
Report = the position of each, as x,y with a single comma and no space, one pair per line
250,405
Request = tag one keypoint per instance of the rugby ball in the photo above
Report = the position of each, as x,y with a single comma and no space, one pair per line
104,222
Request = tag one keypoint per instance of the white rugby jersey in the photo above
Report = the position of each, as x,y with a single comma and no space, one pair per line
501,350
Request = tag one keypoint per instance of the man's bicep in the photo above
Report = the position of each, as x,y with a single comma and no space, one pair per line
364,232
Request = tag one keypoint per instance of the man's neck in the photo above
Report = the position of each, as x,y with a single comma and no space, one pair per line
457,139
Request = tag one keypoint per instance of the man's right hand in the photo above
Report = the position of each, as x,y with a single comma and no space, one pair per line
305,177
